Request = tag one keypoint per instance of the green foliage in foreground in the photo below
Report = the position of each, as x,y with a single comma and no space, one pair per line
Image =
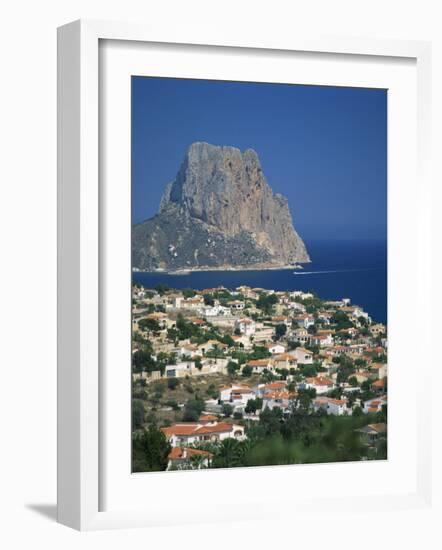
299,440
150,450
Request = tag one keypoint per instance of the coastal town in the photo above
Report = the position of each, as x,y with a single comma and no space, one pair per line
250,376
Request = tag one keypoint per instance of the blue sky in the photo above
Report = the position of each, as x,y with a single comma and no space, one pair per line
325,148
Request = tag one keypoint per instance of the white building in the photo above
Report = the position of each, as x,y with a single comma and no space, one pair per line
183,458
275,348
303,356
236,305
337,407
305,320
318,383
240,392
246,326
214,311
375,405
184,434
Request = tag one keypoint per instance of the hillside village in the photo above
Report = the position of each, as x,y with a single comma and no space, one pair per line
219,372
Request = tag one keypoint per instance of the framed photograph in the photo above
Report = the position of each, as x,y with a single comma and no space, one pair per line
241,263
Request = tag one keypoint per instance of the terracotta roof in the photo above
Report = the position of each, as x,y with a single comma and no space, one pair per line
245,321
241,391
178,453
220,427
258,362
180,429
381,427
208,418
277,395
337,401
284,357
196,429
319,381
275,386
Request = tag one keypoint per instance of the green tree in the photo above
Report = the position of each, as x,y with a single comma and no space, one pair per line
228,454
266,302
193,409
353,381
150,450
227,409
232,368
161,288
247,371
142,360
149,324
253,405
280,331
188,292
172,383
208,300
137,414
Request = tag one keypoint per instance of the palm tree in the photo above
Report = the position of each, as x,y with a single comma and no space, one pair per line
228,454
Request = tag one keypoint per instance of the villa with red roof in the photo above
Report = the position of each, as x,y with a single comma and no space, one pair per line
181,458
183,434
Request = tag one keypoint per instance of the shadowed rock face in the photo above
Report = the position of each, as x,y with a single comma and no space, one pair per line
219,211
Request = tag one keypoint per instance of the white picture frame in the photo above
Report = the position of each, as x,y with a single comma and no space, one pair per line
79,260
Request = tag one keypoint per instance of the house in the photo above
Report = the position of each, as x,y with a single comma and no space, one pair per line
197,302
379,385
214,311
181,458
337,407
240,396
242,341
375,405
379,369
305,320
300,294
303,356
177,300
284,361
275,348
362,376
188,368
189,350
184,434
226,393
211,345
262,333
260,365
300,335
236,305
274,399
180,370
373,432
319,383
278,386
296,306
281,320
321,340
246,326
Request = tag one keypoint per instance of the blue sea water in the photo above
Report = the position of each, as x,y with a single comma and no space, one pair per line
339,269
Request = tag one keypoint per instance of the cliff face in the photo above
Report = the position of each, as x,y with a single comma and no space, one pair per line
219,211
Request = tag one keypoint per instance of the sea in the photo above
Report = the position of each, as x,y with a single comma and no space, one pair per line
338,269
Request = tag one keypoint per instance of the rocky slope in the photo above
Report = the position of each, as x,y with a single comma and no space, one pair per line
218,212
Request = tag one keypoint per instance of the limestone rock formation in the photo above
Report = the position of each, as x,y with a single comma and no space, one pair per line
218,212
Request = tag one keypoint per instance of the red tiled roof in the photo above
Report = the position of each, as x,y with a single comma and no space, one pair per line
319,381
178,453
